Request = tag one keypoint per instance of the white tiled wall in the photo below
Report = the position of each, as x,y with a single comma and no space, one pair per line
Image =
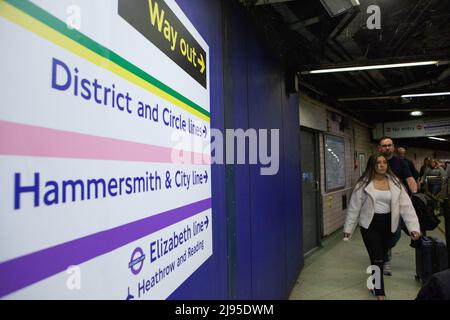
357,138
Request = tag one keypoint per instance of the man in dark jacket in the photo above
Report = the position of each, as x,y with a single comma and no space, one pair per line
401,152
398,166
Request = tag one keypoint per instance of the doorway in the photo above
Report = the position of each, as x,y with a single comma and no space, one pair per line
310,176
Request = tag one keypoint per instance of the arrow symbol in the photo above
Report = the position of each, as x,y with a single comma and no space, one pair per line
201,62
206,176
207,222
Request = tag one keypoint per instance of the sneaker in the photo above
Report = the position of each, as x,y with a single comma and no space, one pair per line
387,271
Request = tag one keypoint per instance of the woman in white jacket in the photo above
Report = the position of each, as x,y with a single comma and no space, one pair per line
378,200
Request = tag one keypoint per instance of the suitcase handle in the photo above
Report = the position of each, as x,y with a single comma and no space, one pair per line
418,243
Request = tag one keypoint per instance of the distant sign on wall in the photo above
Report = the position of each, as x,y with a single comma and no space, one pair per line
415,128
105,174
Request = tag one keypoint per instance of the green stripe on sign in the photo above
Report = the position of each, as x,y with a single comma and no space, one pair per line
58,25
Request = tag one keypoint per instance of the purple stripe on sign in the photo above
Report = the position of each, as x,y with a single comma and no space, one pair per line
438,126
20,272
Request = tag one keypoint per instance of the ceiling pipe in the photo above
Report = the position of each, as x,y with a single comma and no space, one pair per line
412,86
395,40
444,75
312,88
305,23
404,39
291,19
326,98
365,75
300,27
335,45
345,77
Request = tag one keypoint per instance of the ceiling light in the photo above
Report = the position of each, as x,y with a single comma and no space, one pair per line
416,113
439,139
379,66
425,94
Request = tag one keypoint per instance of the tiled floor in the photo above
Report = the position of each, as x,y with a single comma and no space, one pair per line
338,271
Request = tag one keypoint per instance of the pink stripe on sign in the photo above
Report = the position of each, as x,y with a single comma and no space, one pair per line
26,140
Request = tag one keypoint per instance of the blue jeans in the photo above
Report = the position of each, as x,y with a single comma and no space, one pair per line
395,237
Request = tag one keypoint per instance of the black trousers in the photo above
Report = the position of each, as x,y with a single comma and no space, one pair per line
378,239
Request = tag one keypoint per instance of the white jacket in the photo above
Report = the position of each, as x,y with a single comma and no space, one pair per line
362,203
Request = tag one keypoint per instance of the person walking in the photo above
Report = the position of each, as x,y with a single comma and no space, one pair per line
377,202
400,169
398,166
426,164
401,152
434,177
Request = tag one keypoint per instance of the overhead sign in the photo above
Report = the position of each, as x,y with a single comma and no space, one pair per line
404,129
437,127
105,174
157,22
414,128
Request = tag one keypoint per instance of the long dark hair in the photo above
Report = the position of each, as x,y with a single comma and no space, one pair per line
370,172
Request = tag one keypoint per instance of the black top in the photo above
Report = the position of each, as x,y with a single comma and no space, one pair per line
412,168
400,169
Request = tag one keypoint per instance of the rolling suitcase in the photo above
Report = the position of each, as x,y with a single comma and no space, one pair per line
431,257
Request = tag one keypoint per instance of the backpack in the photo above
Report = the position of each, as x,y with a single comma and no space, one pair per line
424,206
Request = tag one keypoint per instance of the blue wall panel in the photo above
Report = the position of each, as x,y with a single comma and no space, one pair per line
292,187
238,176
210,280
268,216
256,219
266,208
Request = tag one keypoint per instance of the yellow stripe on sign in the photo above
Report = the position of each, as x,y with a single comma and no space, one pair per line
31,24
